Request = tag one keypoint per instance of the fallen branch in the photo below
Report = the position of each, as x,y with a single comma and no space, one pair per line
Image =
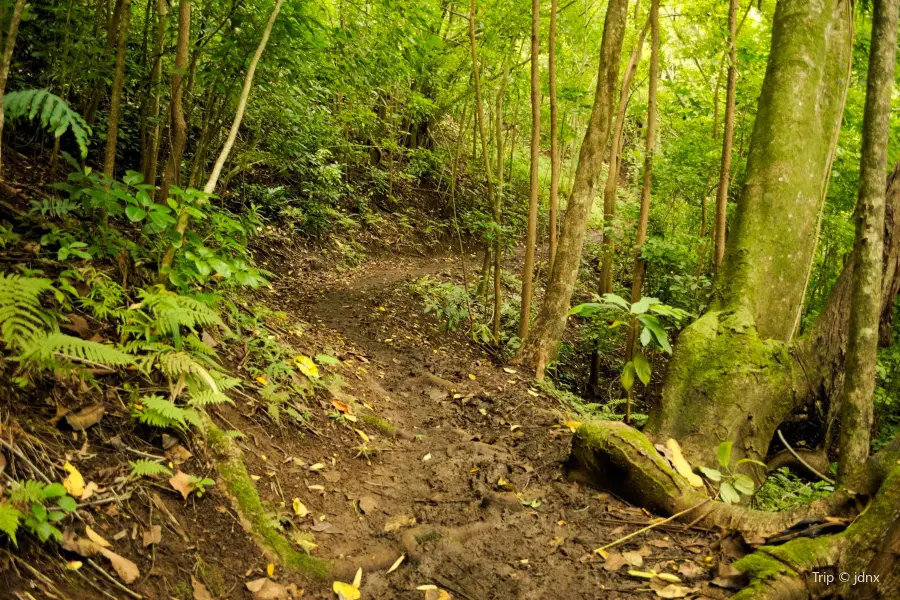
651,526
803,462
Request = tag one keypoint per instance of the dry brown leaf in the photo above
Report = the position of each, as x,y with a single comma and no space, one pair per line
673,591
86,417
79,325
2,462
660,543
181,482
124,568
342,407
367,504
266,589
95,537
399,522
691,570
614,562
89,490
200,591
178,454
633,558
152,535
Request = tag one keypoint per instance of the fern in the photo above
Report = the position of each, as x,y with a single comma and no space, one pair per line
21,317
44,349
148,468
27,492
208,397
164,313
157,411
9,521
55,114
175,364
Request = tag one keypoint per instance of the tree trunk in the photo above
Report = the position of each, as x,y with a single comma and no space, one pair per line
498,247
150,154
177,126
728,136
115,98
479,119
542,340
615,158
640,266
554,139
732,377
531,239
7,57
183,218
862,350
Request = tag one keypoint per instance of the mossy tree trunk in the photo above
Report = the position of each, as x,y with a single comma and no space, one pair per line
734,375
540,344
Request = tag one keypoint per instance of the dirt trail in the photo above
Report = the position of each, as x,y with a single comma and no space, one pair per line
477,462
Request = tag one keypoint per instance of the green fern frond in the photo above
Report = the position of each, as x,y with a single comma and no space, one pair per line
27,492
223,381
198,346
55,114
44,349
9,521
22,318
207,397
148,468
175,364
157,411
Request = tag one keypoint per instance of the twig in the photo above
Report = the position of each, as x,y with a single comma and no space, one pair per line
95,586
113,580
46,580
18,453
803,462
652,526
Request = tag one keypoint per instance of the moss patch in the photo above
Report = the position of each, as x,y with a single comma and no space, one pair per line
382,425
242,489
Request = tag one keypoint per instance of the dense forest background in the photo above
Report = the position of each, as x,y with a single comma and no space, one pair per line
171,170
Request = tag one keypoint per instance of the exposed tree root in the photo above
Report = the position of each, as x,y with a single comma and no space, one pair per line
621,459
249,507
861,562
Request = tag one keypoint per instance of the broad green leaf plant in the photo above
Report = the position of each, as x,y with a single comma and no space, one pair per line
641,317
732,485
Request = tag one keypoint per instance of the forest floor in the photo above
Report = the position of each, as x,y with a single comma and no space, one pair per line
463,474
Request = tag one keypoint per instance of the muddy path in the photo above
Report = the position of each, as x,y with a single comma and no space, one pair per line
470,488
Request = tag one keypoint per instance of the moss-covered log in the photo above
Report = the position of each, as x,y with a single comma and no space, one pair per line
615,457
249,507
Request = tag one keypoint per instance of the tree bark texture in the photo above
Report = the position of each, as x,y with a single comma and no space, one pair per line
542,340
151,152
862,349
115,98
177,126
615,161
8,49
552,216
728,136
531,238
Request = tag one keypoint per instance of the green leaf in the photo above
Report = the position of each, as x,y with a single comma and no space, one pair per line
39,511
9,521
135,213
723,454
67,503
744,484
728,494
324,359
646,336
585,310
54,490
642,367
751,461
56,515
628,375
617,300
713,475
662,338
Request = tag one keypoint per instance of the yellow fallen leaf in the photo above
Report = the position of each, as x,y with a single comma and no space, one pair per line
307,366
74,482
73,565
317,467
262,379
642,574
669,577
362,434
299,508
682,465
270,570
348,591
471,376
94,537
396,563
573,425
351,418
